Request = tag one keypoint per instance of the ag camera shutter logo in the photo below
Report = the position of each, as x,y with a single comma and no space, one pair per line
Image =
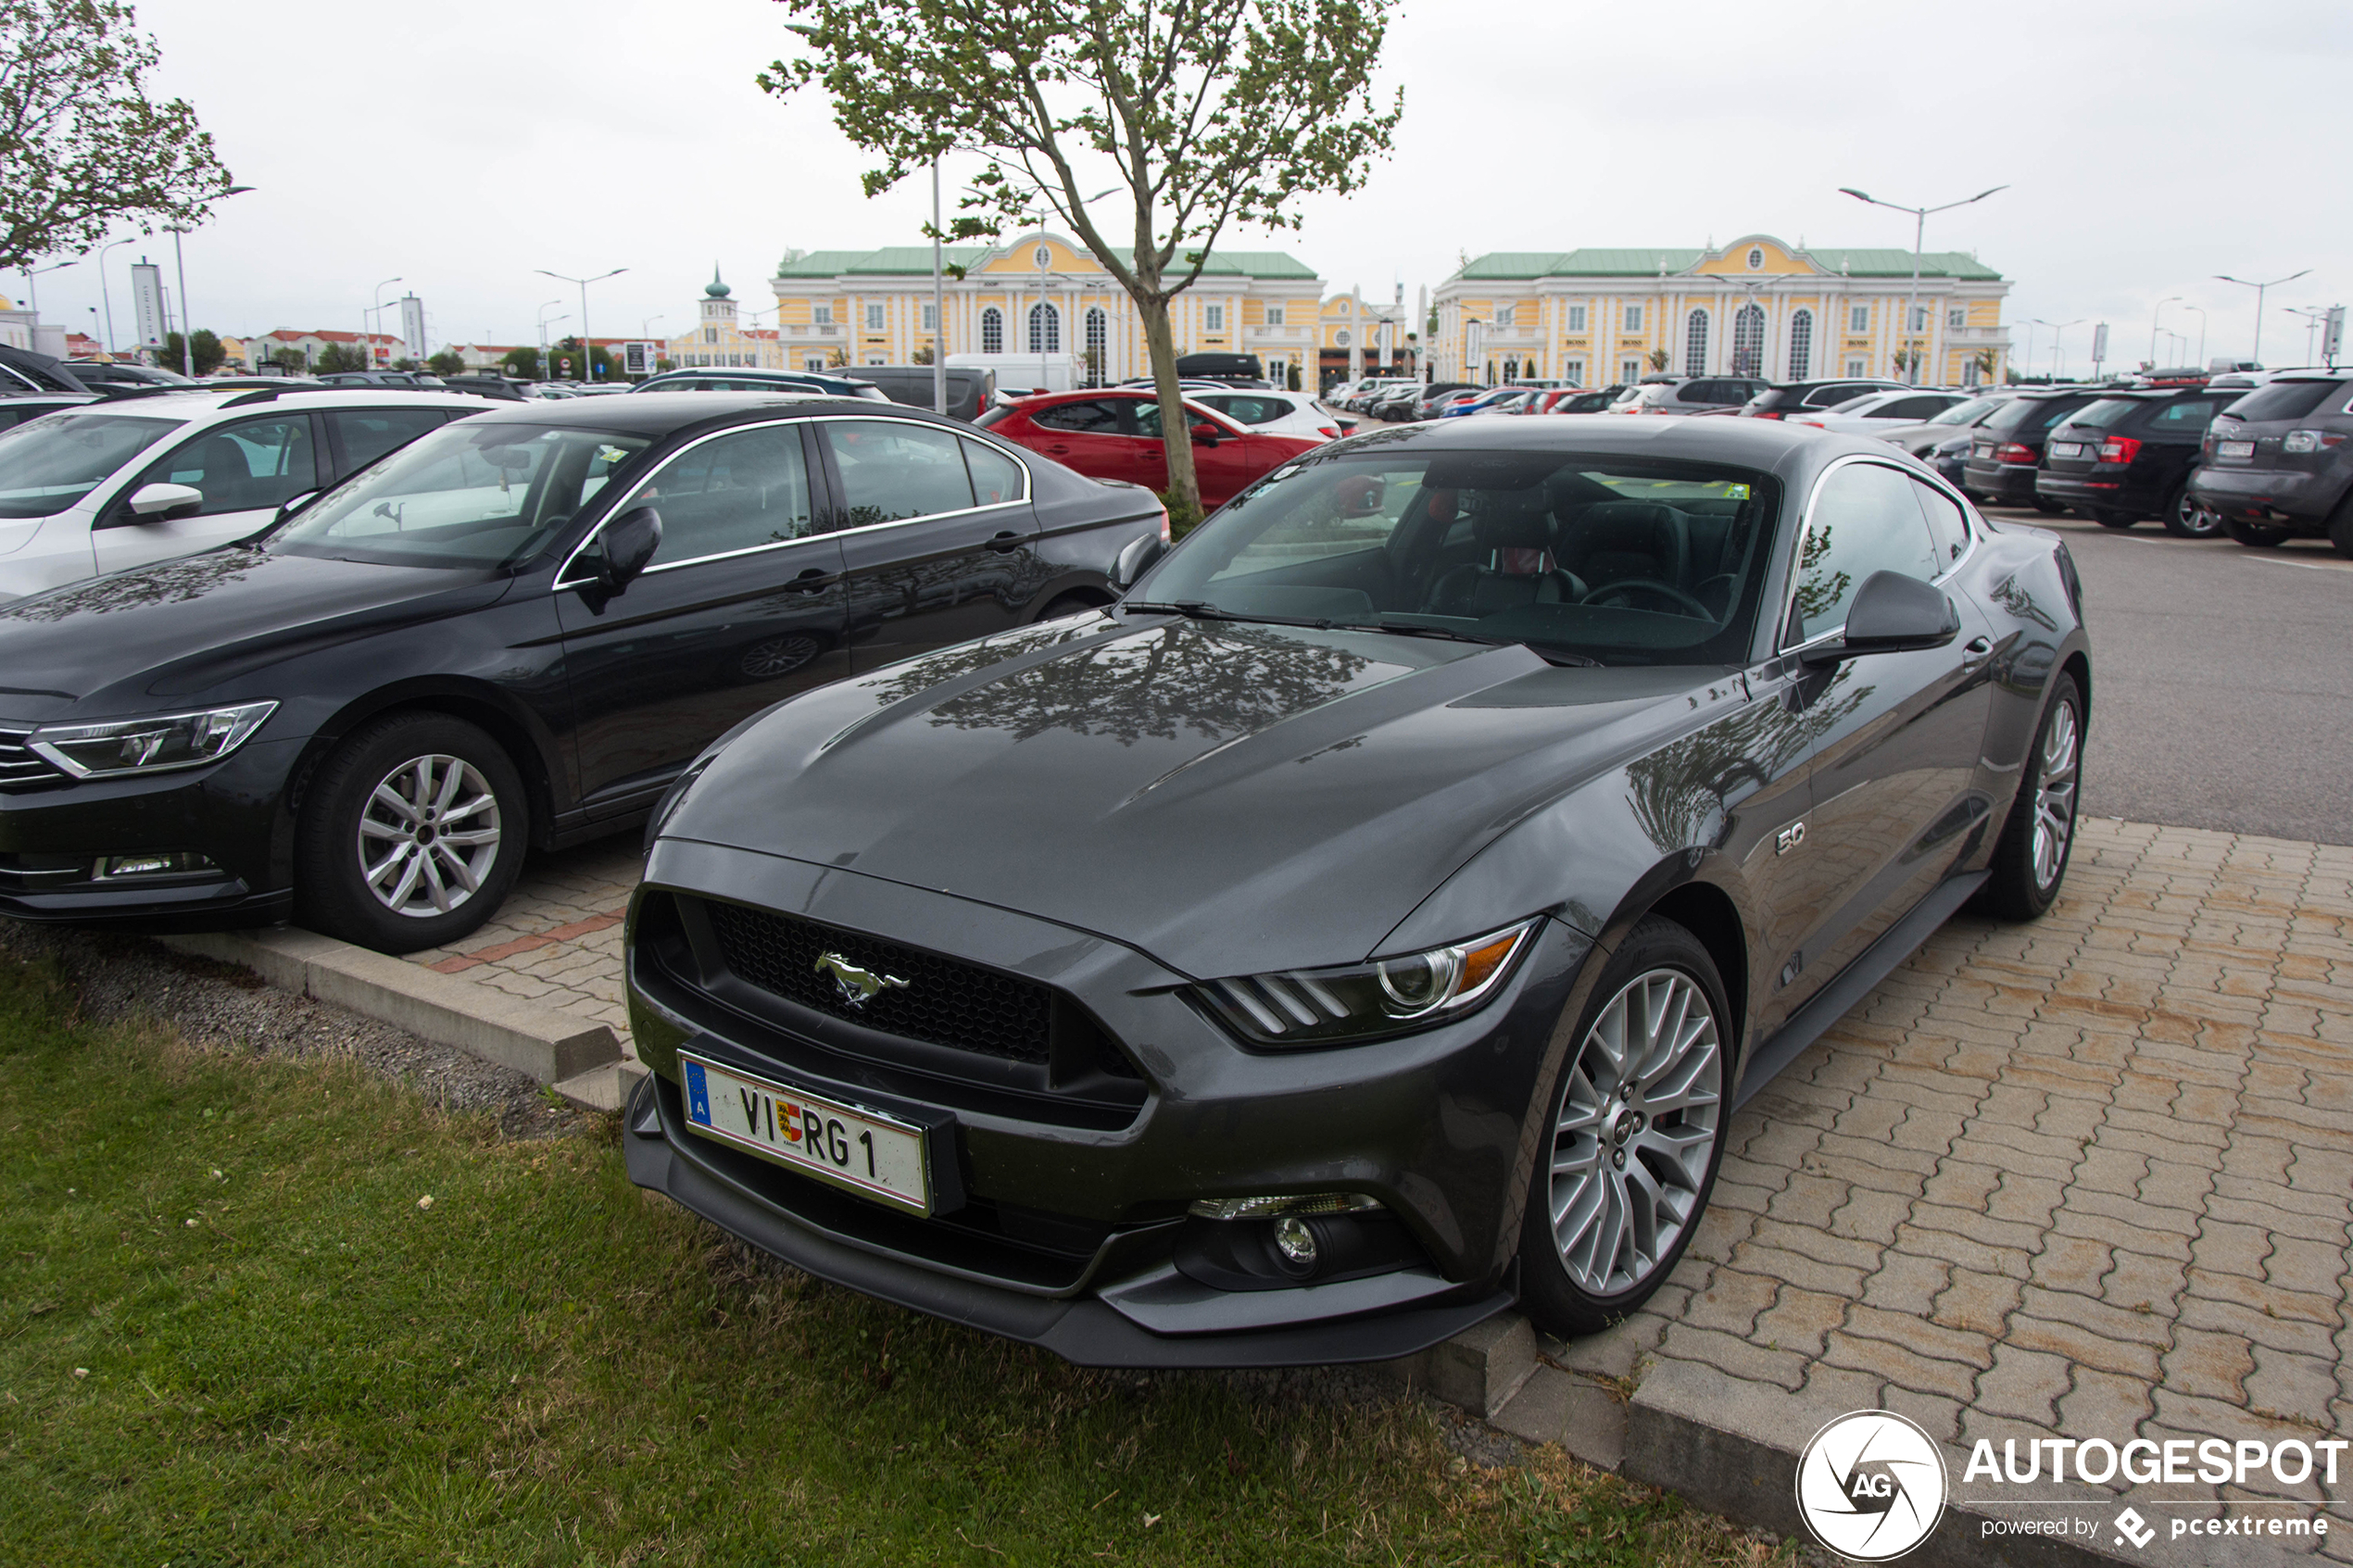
1871,1485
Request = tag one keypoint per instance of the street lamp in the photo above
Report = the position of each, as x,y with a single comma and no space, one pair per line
2056,328
187,322
2222,278
1919,230
371,324
2154,314
104,298
2201,334
33,289
587,344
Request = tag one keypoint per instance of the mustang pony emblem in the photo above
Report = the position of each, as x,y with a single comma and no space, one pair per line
859,986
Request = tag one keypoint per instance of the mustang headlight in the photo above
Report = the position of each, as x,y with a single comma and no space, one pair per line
148,745
1317,1007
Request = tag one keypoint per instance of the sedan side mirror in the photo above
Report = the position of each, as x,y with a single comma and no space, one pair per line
1207,435
1892,613
288,508
1136,559
628,547
161,503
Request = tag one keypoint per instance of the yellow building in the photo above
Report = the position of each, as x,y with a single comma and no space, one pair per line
1038,295
718,338
1756,306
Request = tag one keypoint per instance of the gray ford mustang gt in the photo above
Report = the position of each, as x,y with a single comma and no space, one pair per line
1375,919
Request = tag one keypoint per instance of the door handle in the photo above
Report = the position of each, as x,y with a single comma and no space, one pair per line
816,580
1057,451
1978,647
1005,543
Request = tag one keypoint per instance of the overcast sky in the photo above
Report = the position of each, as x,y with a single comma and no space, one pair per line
459,144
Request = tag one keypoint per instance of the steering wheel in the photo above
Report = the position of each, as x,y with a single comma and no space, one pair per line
1684,604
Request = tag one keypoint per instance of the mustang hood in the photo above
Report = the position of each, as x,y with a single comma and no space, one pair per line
1192,789
170,631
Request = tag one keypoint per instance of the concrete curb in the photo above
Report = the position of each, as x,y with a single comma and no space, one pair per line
552,1046
1732,1447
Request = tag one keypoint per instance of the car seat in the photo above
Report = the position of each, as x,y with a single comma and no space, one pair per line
1516,531
1625,541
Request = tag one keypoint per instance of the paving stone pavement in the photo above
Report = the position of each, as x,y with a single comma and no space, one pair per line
2087,1177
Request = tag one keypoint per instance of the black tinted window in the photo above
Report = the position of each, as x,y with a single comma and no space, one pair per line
2188,417
368,433
2105,414
747,488
2285,399
1865,520
891,469
1912,409
1946,526
1086,419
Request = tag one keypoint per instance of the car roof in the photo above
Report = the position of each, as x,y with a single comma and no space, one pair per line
196,403
656,417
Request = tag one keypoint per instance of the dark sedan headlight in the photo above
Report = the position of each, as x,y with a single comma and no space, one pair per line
150,746
1301,1007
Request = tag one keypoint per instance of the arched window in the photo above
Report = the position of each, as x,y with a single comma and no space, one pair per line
1801,344
1097,346
1511,371
1695,344
1044,328
1748,340
992,331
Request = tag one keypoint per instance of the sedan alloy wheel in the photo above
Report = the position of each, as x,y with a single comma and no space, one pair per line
428,835
2055,794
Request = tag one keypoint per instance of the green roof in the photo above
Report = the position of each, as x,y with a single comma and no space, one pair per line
915,260
1521,265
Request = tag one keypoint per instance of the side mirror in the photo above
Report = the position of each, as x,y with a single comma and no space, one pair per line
161,503
628,547
1207,435
1892,613
1136,559
288,508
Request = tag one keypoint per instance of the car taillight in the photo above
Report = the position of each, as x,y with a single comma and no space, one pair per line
1165,532
2119,449
1769,414
1330,433
2014,452
2300,442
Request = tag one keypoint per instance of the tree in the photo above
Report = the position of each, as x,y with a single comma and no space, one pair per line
836,359
1208,112
601,362
923,355
448,362
335,358
1658,360
81,147
205,352
522,362
289,359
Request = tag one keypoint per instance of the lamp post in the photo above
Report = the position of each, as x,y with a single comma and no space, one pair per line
2313,316
544,319
2154,316
372,323
2259,289
1920,230
587,344
103,295
2201,332
2056,328
938,306
33,289
187,322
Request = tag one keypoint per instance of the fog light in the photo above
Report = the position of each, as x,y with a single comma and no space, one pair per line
180,864
1296,1242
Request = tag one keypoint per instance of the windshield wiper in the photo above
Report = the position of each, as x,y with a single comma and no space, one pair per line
1202,610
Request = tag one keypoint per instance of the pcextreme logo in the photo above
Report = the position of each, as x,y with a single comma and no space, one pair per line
1870,1486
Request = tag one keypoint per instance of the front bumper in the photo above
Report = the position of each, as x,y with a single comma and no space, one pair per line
2009,485
232,812
1075,1235
2289,495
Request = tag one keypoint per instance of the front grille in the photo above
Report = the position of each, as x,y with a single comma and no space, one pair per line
944,1001
20,764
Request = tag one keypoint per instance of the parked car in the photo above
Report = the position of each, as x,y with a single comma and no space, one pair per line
1234,369
2006,449
1811,397
486,386
376,378
1383,390
1686,395
747,378
1281,413
1431,404
16,408
101,374
2128,454
120,484
1381,913
2279,462
1114,433
1577,400
1492,397
1938,430
971,388
515,631
1872,413
21,370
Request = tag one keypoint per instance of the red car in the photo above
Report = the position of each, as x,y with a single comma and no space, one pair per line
1114,433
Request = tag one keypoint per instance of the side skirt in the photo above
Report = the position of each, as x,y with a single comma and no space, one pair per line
1874,964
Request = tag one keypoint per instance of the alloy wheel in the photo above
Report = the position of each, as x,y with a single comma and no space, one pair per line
2055,794
428,836
1637,1132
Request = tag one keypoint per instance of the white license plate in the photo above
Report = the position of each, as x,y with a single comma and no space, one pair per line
2067,449
864,1150
2235,450
1982,452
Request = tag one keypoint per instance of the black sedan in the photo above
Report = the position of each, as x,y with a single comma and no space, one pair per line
513,632
1377,916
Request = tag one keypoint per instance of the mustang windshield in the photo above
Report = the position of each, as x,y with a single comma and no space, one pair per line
1625,560
465,494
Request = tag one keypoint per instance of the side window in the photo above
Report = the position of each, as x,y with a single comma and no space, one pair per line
1249,411
1086,419
247,467
1946,526
734,492
368,433
1913,408
996,477
890,469
1865,520
2188,417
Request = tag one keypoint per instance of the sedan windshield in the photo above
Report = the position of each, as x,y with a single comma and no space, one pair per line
1967,413
1623,559
465,494
49,463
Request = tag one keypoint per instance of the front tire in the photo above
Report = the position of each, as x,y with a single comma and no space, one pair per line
2341,527
2030,860
412,835
1635,1132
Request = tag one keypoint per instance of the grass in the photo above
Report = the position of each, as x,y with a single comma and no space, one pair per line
231,1331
